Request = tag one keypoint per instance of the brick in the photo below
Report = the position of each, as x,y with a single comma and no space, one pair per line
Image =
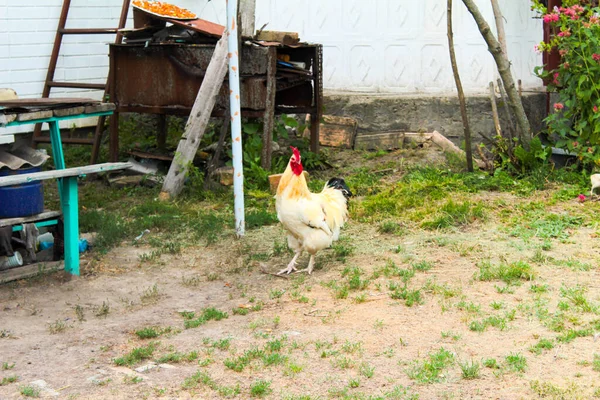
338,131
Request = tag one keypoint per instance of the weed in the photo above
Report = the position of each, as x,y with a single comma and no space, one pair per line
57,326
150,295
411,297
8,379
572,334
132,379
452,335
6,366
191,281
516,362
455,214
509,273
152,332
577,297
103,310
551,391
542,344
29,391
470,370
260,388
430,370
354,383
276,293
136,355
596,363
351,348
422,266
491,363
342,250
390,227
496,305
274,359
79,313
366,370
343,362
208,314
539,288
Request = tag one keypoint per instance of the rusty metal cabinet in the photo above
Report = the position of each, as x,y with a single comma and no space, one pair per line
165,79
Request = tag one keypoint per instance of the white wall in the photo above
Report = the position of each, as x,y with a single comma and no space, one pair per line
386,46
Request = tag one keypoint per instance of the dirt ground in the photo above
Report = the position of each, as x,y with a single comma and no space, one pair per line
69,331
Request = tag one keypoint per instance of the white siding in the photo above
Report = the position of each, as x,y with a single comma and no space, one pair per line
388,46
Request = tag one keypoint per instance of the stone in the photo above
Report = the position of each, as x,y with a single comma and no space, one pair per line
146,368
167,366
42,385
224,175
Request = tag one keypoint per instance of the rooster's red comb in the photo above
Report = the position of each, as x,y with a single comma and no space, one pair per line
296,152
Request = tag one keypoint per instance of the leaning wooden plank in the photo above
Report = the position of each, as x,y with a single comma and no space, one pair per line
197,122
63,173
34,115
32,218
101,107
63,112
440,140
29,271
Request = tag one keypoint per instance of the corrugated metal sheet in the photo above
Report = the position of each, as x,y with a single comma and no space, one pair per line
22,156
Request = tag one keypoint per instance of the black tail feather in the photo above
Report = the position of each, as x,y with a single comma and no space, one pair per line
340,184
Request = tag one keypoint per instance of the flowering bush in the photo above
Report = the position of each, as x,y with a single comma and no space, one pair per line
575,124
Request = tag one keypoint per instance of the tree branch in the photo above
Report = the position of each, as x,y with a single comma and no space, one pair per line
503,65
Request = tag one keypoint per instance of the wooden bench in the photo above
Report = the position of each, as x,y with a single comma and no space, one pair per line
67,184
13,112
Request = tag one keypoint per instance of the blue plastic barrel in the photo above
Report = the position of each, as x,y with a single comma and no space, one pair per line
21,200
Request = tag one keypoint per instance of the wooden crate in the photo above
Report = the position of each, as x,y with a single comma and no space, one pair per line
338,131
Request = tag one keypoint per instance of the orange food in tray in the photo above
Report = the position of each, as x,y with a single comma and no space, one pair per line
164,9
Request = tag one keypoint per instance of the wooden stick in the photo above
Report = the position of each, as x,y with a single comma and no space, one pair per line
499,26
495,110
214,161
197,122
503,64
461,94
264,271
511,127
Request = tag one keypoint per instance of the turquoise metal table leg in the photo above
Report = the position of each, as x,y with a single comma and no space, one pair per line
57,152
71,221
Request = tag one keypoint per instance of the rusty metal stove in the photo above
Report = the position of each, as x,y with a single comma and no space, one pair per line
165,79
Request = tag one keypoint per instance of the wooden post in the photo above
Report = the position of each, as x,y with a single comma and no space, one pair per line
197,122
269,116
247,12
459,89
500,26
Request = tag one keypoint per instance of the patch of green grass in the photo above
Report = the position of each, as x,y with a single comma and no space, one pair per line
534,288
573,334
596,362
453,214
7,366
258,218
411,297
152,332
516,362
470,370
431,369
469,307
57,326
391,227
577,297
274,359
238,364
491,363
342,249
276,293
136,355
549,390
207,314
542,344
544,225
8,380
366,370
509,273
353,276
29,391
177,357
422,266
260,388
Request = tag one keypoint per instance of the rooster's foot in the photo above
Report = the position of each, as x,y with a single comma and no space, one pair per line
288,270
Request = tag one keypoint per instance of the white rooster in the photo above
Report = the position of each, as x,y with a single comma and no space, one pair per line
313,220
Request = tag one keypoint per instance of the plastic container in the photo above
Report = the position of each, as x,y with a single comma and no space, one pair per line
11,262
21,200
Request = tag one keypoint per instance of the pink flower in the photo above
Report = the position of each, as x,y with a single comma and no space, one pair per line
548,18
596,57
562,52
594,19
577,8
536,48
566,65
566,33
575,144
558,107
581,198
555,80
595,108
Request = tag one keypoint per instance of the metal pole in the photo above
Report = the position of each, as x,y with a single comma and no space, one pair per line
236,116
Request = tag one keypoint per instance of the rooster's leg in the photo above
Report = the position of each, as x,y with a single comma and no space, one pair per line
311,265
291,266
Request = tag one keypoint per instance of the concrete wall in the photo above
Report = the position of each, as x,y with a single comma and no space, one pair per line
377,46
